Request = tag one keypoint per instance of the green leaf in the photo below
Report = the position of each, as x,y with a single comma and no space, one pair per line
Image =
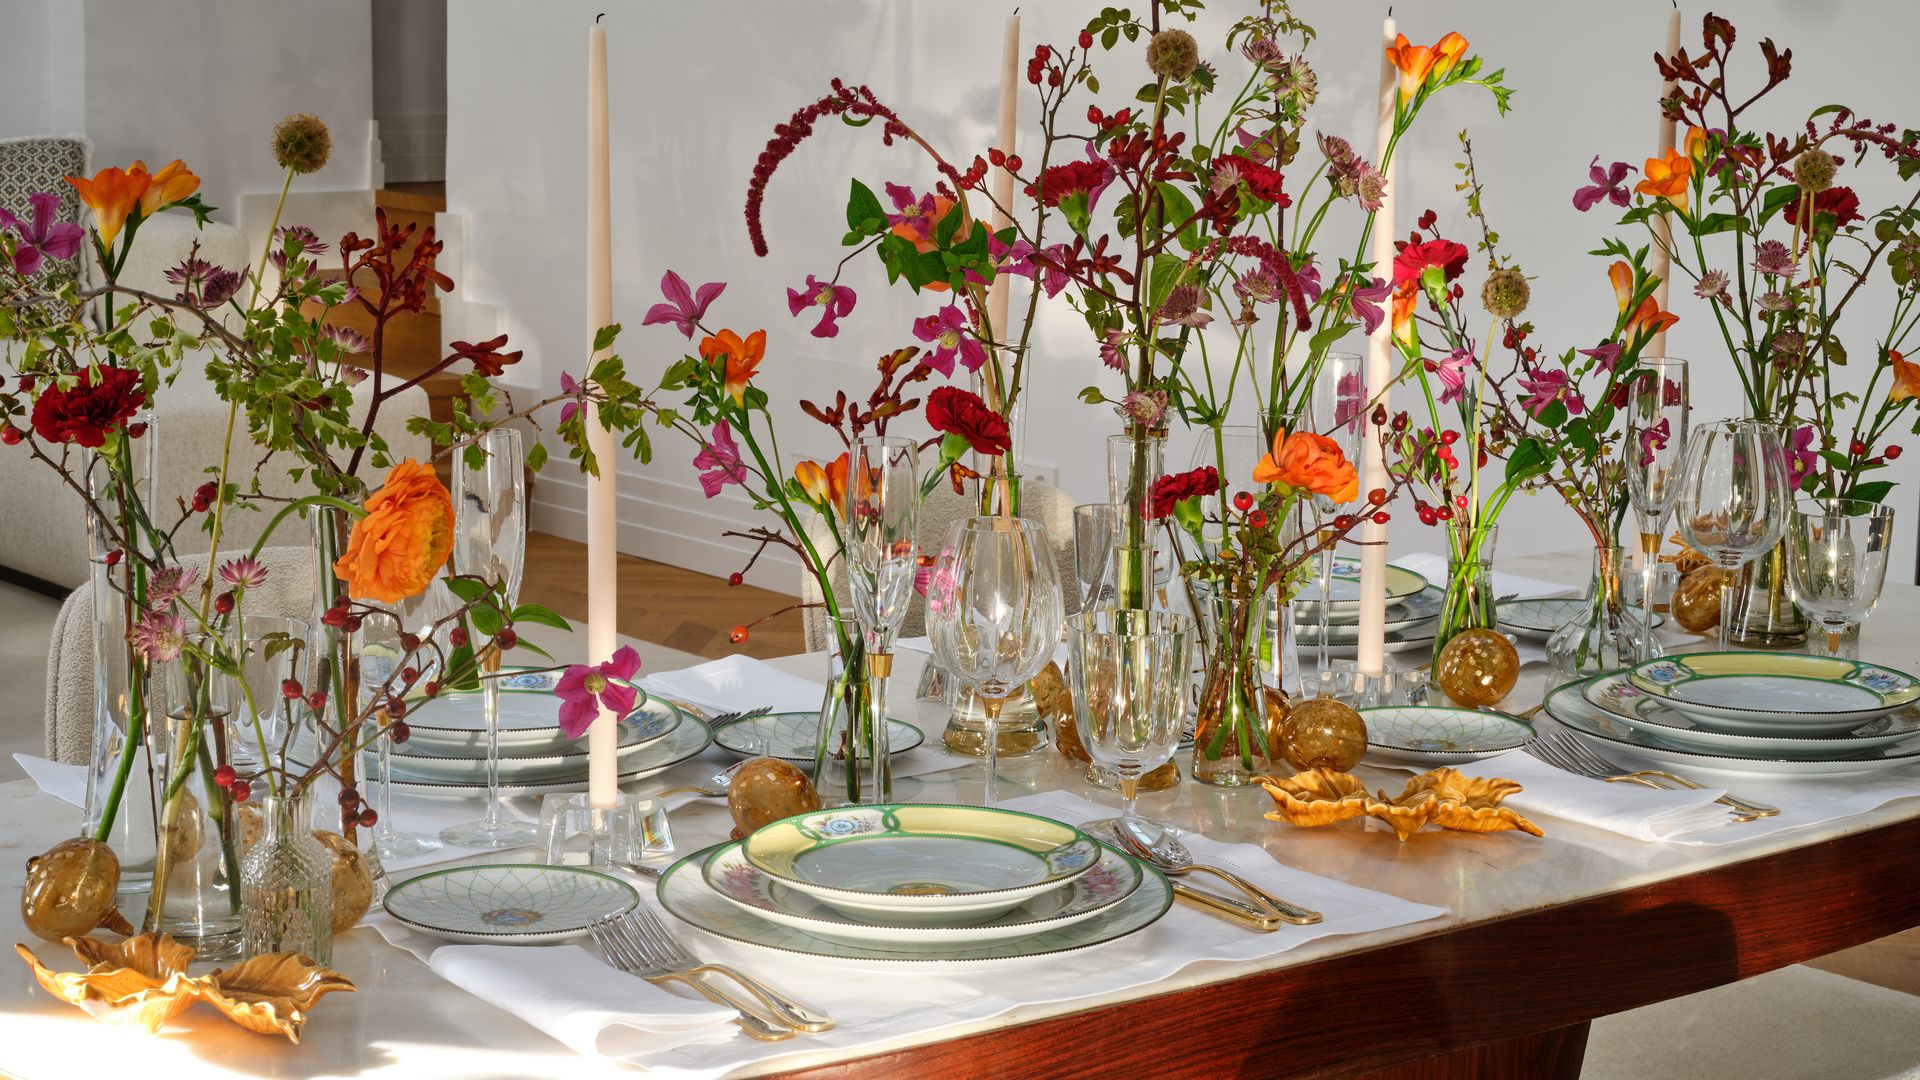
864,211
537,457
1529,458
469,590
603,338
1717,223
486,619
1166,273
1319,343
943,230
1872,491
1776,200
540,615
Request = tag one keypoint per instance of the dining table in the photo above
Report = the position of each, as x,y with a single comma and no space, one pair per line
1538,937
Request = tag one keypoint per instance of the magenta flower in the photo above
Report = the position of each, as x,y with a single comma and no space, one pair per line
1112,346
158,636
1802,458
683,308
569,385
1608,355
1546,386
720,456
1608,183
952,338
834,301
1049,269
1653,439
43,237
244,572
914,213
1365,302
583,688
168,584
1452,373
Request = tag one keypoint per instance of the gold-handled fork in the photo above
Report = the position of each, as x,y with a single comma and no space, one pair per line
1563,751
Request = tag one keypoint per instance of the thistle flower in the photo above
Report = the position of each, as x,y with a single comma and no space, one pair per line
1505,293
1173,54
1813,170
301,143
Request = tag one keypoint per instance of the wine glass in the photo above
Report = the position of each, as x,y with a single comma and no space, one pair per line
273,649
386,666
1093,527
1131,688
1337,409
994,613
882,508
489,542
1734,502
1836,563
1656,448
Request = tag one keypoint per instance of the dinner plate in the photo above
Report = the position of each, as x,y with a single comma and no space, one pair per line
451,723
1569,706
685,894
1788,694
918,864
1537,619
1111,881
642,727
509,903
1412,639
1415,611
1432,735
1640,710
1401,584
790,736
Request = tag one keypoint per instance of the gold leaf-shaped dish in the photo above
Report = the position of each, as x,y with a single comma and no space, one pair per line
1440,797
1316,797
272,994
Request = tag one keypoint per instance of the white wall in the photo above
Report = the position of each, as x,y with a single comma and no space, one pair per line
41,89
410,87
697,88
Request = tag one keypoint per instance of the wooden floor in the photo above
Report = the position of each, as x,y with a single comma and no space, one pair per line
664,604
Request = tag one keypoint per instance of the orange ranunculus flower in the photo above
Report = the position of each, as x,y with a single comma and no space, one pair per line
1906,378
1667,177
742,358
1648,319
1414,62
1696,144
1308,462
112,194
1447,52
1404,299
825,486
403,541
170,185
1622,277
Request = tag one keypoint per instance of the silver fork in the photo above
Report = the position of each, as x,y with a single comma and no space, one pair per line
623,951
664,946
725,718
1563,751
715,787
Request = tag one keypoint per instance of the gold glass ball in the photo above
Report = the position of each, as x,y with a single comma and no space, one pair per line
1477,668
352,881
69,889
1696,600
766,790
1321,733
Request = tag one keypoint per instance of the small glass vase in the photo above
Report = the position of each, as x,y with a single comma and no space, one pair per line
1238,716
1134,461
1469,600
1607,635
286,883
1764,614
193,897
842,767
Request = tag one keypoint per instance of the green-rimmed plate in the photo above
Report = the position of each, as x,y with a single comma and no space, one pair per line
790,736
1415,612
639,729
453,725
1537,619
1401,584
686,896
1111,881
912,864
1413,639
509,903
1778,694
1568,705
1640,710
1430,735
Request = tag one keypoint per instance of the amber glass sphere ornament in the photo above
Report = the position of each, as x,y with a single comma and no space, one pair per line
70,889
1477,668
1696,600
1321,733
766,790
352,881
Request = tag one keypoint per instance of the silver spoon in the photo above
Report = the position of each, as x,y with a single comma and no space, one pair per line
1168,855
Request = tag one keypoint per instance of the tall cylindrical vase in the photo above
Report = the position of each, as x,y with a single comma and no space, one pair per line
1134,461
286,883
194,896
1239,718
843,761
1764,614
1468,603
332,667
1607,635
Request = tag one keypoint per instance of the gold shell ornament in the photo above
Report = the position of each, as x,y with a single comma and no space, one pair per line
352,881
69,891
143,982
1440,797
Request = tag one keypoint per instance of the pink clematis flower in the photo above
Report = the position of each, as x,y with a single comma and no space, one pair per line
1608,183
952,338
583,688
569,385
42,238
1608,355
1452,373
834,301
1018,259
1653,439
1545,386
683,308
720,457
1802,458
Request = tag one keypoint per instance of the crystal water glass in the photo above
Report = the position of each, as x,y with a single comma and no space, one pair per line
1734,501
1131,683
1337,409
1837,551
882,513
1656,453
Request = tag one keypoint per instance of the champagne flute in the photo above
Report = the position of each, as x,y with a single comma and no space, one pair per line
1735,501
1837,553
882,510
994,614
489,542
1656,449
385,664
1093,530
1337,409
1131,688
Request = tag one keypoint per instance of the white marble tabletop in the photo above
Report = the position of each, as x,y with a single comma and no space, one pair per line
405,1021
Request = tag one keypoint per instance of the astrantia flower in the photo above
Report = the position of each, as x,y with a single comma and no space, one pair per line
1544,386
158,636
953,411
1113,346
100,402
1712,287
1264,52
1226,174
1608,183
349,339
1369,185
1144,408
952,338
1182,307
221,286
1445,257
1654,439
1771,257
1840,202
1336,149
683,308
720,457
1772,301
584,688
301,240
42,237
244,572
1179,487
1802,458
170,583
834,302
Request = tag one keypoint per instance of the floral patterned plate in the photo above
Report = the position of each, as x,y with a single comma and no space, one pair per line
1112,880
1401,584
687,897
1415,611
1639,710
1429,735
912,864
509,903
1776,694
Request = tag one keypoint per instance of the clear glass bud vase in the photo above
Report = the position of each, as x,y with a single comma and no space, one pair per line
286,883
1469,600
1607,635
1238,716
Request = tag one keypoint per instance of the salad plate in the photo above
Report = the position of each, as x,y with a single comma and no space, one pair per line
452,724
1792,694
1412,612
1401,584
1430,735
1645,712
1537,619
509,903
790,736
642,727
739,882
685,895
919,864
1416,637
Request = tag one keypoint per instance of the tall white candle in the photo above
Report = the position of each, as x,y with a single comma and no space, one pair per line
602,507
1372,645
997,297
1657,262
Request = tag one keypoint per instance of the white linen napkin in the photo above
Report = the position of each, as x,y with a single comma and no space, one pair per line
737,682
1627,809
1434,568
68,783
571,994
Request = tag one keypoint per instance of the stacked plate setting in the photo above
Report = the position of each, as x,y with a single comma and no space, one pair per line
1412,606
911,882
1772,714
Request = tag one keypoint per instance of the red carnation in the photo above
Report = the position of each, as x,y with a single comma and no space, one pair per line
953,411
1415,259
1841,202
92,408
1263,181
1169,490
1063,180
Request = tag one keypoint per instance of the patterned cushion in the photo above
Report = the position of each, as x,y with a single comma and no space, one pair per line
40,163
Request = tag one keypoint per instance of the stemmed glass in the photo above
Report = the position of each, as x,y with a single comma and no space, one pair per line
994,613
385,664
1336,409
1734,502
1836,563
883,503
1131,688
1093,532
489,542
1656,448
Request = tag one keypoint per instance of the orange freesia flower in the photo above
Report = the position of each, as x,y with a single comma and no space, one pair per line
112,194
1404,298
1447,52
1308,462
742,358
1622,277
1696,144
170,185
1906,378
825,486
1648,319
403,541
1667,178
1414,62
